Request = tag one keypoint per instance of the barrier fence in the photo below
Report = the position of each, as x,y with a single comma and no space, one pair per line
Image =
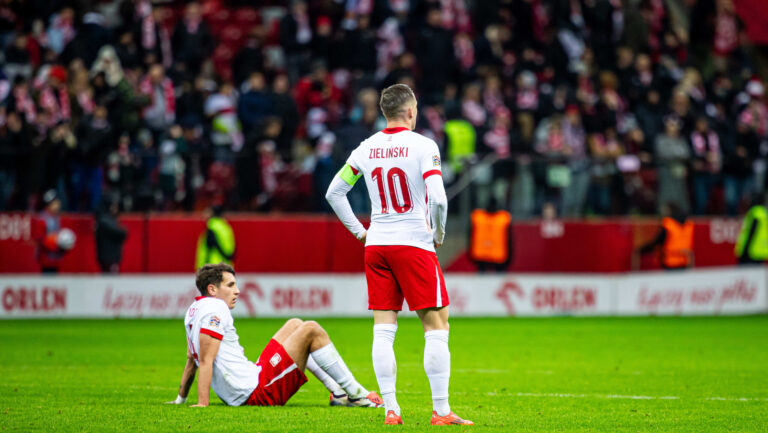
320,244
742,290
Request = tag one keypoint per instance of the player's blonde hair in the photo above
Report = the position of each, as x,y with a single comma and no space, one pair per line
394,98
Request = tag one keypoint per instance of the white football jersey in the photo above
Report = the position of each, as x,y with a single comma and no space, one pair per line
395,162
234,376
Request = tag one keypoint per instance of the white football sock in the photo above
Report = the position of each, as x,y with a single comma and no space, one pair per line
384,364
437,365
330,361
323,377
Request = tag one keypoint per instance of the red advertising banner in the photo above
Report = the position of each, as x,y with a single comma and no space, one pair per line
320,244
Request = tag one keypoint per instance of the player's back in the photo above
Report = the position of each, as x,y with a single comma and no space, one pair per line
395,162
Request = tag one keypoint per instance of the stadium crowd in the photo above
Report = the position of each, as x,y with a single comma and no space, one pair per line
592,106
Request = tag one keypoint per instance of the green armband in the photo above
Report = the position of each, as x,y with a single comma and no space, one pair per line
347,174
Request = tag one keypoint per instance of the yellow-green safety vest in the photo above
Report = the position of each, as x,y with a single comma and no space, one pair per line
225,238
758,248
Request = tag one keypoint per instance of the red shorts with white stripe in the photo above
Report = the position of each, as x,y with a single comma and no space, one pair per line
397,271
279,379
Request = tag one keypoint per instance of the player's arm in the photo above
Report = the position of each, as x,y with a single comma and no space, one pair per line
438,206
187,377
209,348
431,171
336,195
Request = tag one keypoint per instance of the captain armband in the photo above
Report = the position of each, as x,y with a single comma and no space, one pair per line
349,175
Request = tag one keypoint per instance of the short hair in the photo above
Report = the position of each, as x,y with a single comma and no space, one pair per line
211,274
393,98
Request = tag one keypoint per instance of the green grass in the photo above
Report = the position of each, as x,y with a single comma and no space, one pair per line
527,375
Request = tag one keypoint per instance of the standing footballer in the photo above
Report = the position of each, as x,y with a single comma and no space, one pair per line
408,213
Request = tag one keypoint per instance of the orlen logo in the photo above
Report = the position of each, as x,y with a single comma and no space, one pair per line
33,299
245,296
507,292
548,298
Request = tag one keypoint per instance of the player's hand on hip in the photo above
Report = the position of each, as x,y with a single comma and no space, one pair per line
362,238
438,244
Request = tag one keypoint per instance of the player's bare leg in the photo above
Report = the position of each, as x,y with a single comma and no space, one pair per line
437,364
384,365
310,341
282,335
285,331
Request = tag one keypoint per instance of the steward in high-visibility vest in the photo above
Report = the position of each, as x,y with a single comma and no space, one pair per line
461,138
677,250
490,241
752,245
217,243
675,239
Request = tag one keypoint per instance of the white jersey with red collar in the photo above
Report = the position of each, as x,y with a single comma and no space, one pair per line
234,376
395,163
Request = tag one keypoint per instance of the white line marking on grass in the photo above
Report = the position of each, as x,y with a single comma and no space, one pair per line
481,371
597,396
736,399
618,396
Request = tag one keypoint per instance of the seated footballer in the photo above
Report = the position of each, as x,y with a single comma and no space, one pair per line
214,350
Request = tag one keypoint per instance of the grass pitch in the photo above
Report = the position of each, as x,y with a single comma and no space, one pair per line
508,375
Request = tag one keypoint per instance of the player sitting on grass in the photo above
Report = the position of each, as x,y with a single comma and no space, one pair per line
213,348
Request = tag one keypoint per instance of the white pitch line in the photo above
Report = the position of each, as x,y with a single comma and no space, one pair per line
618,396
481,371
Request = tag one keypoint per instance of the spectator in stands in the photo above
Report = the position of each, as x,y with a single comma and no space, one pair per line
161,111
707,162
295,39
17,58
154,40
12,144
434,49
191,41
173,154
250,58
672,154
360,48
226,135
53,97
61,150
61,30
254,104
575,150
536,58
284,107
94,139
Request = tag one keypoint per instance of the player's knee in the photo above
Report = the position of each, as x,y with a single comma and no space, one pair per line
294,322
313,327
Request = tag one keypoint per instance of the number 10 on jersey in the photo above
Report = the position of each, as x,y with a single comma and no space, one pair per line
399,195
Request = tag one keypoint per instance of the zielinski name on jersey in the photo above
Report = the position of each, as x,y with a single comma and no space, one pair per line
392,152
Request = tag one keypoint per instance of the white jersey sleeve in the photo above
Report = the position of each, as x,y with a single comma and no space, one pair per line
234,376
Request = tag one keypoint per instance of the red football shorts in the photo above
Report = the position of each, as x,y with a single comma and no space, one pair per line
279,379
397,271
